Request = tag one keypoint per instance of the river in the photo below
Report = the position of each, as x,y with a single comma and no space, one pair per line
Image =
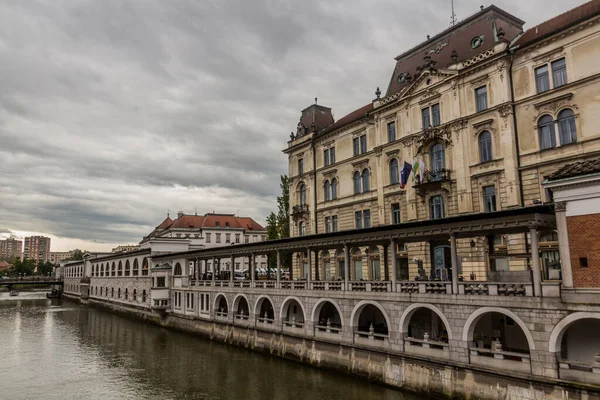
61,350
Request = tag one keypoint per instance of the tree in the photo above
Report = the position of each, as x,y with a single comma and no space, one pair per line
283,205
23,268
272,234
77,255
45,268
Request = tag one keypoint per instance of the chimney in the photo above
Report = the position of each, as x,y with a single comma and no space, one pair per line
179,214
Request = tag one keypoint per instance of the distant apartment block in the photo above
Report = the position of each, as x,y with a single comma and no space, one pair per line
10,248
57,256
37,248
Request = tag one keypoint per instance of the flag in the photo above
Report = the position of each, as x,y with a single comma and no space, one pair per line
405,174
421,169
416,169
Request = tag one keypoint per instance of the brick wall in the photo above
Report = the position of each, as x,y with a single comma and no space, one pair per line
584,242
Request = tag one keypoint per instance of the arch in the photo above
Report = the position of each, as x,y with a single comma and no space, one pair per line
546,133
301,228
113,269
285,304
485,146
477,314
144,296
438,157
102,269
120,269
319,305
302,193
361,305
126,294
236,301
127,268
145,266
217,302
567,130
327,190
177,270
136,267
394,172
134,295
357,180
559,330
334,185
365,178
410,310
259,303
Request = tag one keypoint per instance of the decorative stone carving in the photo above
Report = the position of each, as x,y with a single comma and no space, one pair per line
437,133
560,206
429,94
458,126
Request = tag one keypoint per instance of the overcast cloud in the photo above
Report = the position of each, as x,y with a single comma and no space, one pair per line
113,112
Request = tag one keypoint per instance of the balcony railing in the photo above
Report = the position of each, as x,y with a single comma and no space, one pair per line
299,210
433,176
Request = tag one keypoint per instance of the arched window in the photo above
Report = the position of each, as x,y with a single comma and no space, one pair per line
301,229
333,189
365,181
567,131
485,146
302,191
326,190
357,182
394,176
546,132
177,269
438,157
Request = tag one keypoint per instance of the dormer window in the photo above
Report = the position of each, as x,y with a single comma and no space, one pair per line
218,224
226,224
402,78
476,42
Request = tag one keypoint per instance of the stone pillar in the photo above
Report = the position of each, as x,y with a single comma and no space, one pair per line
535,263
346,266
317,274
232,272
278,272
214,270
394,262
309,259
454,263
251,268
560,210
386,268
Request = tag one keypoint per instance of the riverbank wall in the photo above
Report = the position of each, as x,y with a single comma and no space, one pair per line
421,375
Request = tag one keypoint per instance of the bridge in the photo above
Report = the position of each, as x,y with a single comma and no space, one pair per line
33,280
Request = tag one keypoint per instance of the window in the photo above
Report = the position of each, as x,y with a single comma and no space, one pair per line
546,132
431,116
300,166
567,132
228,238
334,223
356,182
237,237
246,239
356,146
435,114
358,219
559,72
583,262
438,157
327,224
367,218
332,155
302,194
425,117
395,213
334,189
160,281
301,229
391,128
365,181
394,175
485,146
542,80
481,98
436,207
218,237
363,144
489,198
327,191
326,157
208,238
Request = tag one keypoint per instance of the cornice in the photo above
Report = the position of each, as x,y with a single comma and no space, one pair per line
566,96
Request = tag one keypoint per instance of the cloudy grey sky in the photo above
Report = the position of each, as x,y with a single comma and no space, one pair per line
113,112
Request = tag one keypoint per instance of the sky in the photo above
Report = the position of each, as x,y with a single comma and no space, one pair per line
113,113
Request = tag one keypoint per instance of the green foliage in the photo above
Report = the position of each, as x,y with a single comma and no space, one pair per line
44,268
283,212
77,255
272,227
23,268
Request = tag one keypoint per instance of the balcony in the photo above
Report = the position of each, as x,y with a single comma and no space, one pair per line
299,211
433,180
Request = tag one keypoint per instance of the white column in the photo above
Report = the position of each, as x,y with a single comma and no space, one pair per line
278,272
535,263
214,270
563,245
251,267
394,273
454,264
346,266
232,272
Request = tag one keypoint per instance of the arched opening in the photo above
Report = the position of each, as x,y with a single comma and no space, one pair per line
126,294
292,313
113,269
144,296
546,132
327,317
112,292
327,191
136,267
366,186
567,131
265,312
222,309
242,309
438,158
127,268
302,194
580,342
118,293
334,188
356,180
485,146
134,295
120,270
370,322
425,326
102,269
394,172
301,228
145,267
177,270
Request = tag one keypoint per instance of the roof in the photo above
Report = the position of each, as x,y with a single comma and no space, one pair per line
349,118
213,220
188,222
165,224
322,117
560,22
458,38
576,169
4,265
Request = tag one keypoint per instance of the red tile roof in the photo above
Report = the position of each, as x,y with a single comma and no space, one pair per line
579,168
350,118
188,222
560,22
165,224
212,220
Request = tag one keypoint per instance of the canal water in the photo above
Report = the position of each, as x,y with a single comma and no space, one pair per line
60,350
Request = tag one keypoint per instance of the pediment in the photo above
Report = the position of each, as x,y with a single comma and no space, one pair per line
426,83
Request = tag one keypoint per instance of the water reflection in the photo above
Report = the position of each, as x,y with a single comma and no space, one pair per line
64,351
